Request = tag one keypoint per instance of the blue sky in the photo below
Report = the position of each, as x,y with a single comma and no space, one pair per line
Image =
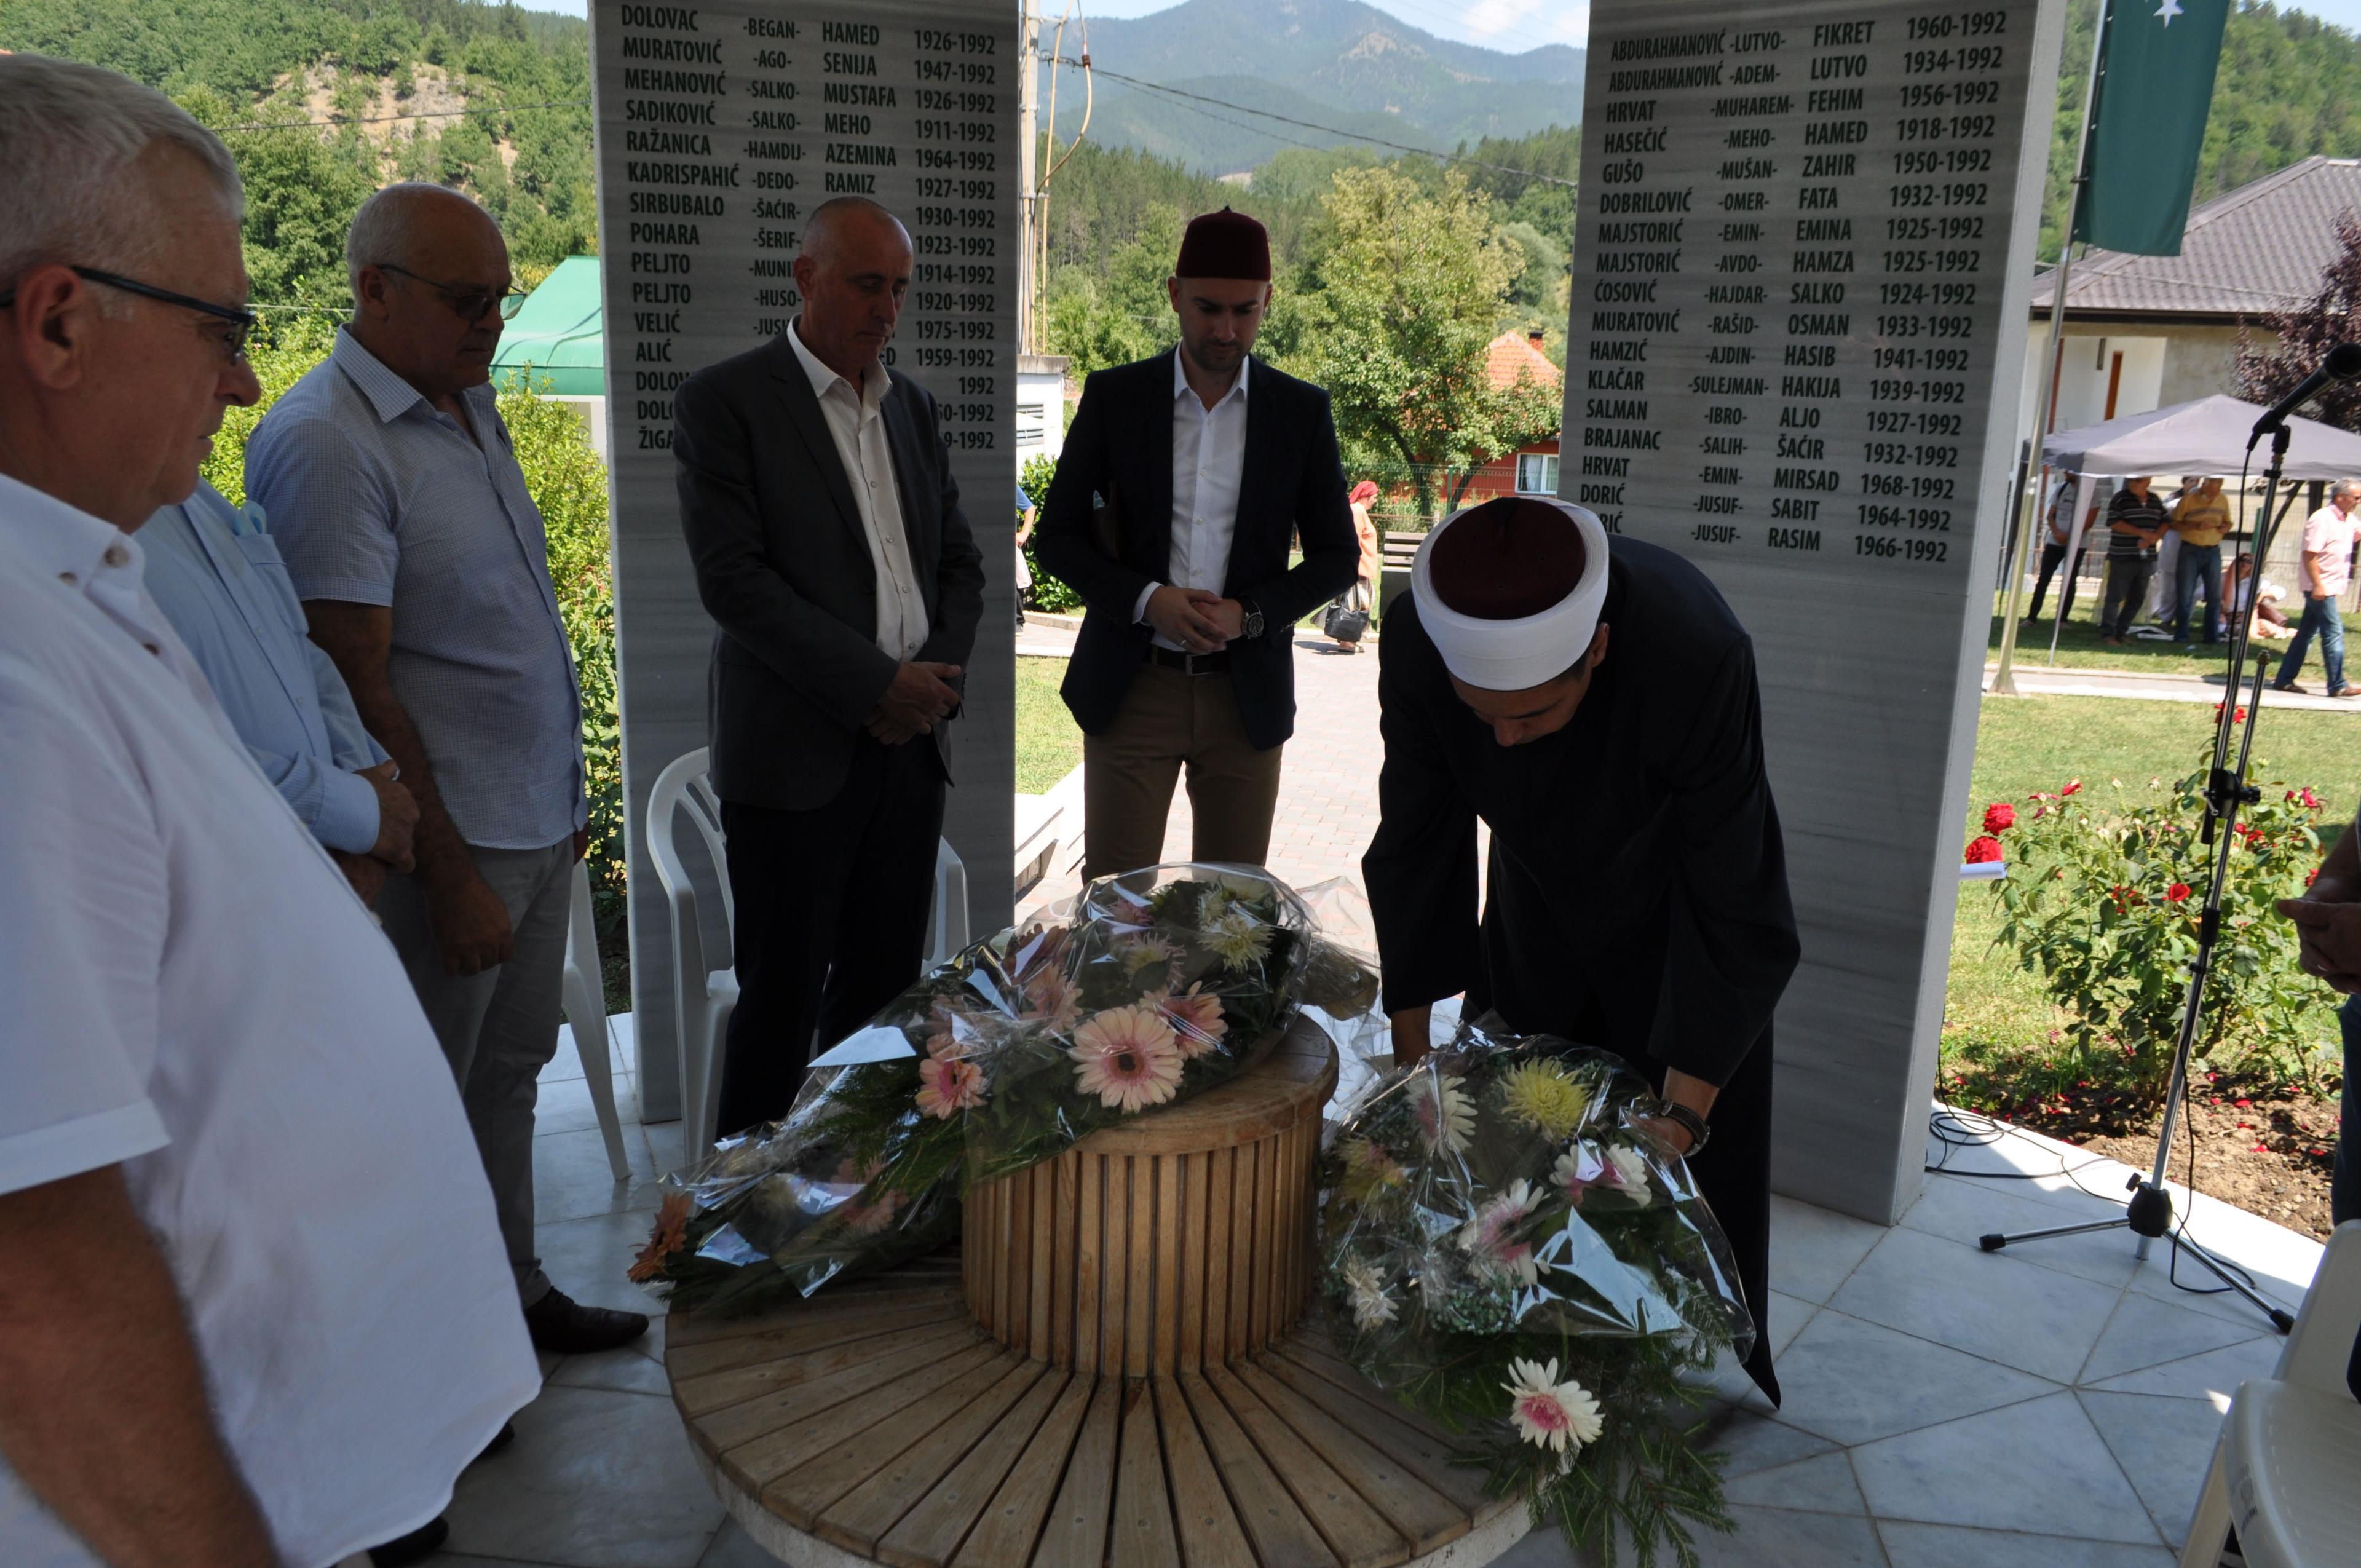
1511,25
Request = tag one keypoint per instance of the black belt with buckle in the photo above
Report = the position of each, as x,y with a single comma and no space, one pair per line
1190,664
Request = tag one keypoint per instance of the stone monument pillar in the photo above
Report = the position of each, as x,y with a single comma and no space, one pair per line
719,128
1797,329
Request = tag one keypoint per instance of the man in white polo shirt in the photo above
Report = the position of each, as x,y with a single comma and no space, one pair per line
254,1310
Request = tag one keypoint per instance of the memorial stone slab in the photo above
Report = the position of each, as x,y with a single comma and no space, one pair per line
720,129
1793,357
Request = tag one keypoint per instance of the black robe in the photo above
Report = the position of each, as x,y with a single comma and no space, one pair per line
1638,885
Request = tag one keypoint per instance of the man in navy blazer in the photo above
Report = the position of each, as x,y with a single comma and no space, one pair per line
1183,481
819,509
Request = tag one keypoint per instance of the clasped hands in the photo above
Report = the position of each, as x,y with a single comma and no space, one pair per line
396,826
1197,620
920,698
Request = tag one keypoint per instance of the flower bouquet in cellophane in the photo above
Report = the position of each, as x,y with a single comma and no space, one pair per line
1511,1252
1159,985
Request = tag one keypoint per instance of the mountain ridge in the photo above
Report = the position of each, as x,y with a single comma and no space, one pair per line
1338,63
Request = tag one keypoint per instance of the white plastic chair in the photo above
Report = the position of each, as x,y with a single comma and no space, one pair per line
947,920
2286,1470
584,997
703,997
701,1010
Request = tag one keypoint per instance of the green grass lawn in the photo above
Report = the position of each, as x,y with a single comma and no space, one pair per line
2078,646
1993,1009
1048,746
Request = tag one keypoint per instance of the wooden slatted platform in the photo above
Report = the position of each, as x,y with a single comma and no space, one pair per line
1171,1243
884,1425
1109,1374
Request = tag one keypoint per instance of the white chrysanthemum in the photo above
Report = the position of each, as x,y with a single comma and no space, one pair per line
1372,1305
1559,1416
1445,1117
1630,1167
1237,938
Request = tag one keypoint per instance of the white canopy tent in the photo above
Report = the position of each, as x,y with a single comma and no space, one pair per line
2208,437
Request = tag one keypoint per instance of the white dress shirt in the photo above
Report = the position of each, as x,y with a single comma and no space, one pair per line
856,419
189,990
1209,462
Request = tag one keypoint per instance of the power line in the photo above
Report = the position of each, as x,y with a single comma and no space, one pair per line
1310,126
421,114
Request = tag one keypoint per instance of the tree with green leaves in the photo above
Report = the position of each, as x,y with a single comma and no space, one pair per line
1403,293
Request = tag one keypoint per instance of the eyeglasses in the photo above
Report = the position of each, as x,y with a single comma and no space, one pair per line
231,338
468,305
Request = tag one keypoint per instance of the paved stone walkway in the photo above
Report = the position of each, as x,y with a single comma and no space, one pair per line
1328,783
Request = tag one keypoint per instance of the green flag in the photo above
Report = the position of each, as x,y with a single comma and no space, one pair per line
2156,85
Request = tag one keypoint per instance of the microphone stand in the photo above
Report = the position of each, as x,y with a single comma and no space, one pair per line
2148,1213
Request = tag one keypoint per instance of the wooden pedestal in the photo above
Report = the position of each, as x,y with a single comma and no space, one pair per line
1179,1241
1111,1374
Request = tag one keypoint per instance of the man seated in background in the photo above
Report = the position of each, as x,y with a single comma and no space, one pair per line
215,572
393,488
253,1313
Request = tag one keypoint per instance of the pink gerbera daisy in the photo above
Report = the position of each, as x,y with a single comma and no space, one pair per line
1488,1238
1196,1019
874,1215
1052,999
947,1085
1127,1057
1555,1416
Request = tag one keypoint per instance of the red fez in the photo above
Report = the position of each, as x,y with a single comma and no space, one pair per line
1507,559
1224,245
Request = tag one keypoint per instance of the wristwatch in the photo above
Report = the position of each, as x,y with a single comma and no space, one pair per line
1254,617
1690,1122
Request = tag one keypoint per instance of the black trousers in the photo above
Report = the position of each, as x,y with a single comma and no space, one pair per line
2052,557
831,919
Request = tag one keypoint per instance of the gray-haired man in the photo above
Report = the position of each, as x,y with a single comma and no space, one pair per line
394,492
253,1312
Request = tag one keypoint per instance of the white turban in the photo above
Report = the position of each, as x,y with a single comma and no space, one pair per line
1517,653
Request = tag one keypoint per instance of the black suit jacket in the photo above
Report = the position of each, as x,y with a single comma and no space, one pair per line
785,570
1121,443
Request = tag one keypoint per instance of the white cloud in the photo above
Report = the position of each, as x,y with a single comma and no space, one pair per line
1511,23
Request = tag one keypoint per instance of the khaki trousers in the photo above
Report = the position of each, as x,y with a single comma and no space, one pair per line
1168,718
499,1028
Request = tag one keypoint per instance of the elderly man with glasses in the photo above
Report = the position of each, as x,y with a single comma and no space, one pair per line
393,491
254,1313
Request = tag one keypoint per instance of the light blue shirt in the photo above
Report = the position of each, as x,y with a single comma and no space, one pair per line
215,571
377,497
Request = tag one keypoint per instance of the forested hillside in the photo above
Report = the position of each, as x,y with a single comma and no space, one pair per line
260,69
2288,87
326,99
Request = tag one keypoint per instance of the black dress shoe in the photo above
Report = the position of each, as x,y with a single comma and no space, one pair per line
416,1547
564,1326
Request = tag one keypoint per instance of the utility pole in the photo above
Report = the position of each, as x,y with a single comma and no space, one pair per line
2044,407
1029,54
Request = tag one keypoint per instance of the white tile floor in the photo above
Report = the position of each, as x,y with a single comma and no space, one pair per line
2051,1406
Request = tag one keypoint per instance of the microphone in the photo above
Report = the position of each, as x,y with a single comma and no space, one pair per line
2344,363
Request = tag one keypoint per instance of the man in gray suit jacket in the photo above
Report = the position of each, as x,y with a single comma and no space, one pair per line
830,550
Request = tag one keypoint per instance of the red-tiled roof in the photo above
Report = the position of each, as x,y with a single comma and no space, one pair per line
2250,251
1512,354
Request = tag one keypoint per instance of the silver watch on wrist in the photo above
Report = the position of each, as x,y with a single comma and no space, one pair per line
1253,619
